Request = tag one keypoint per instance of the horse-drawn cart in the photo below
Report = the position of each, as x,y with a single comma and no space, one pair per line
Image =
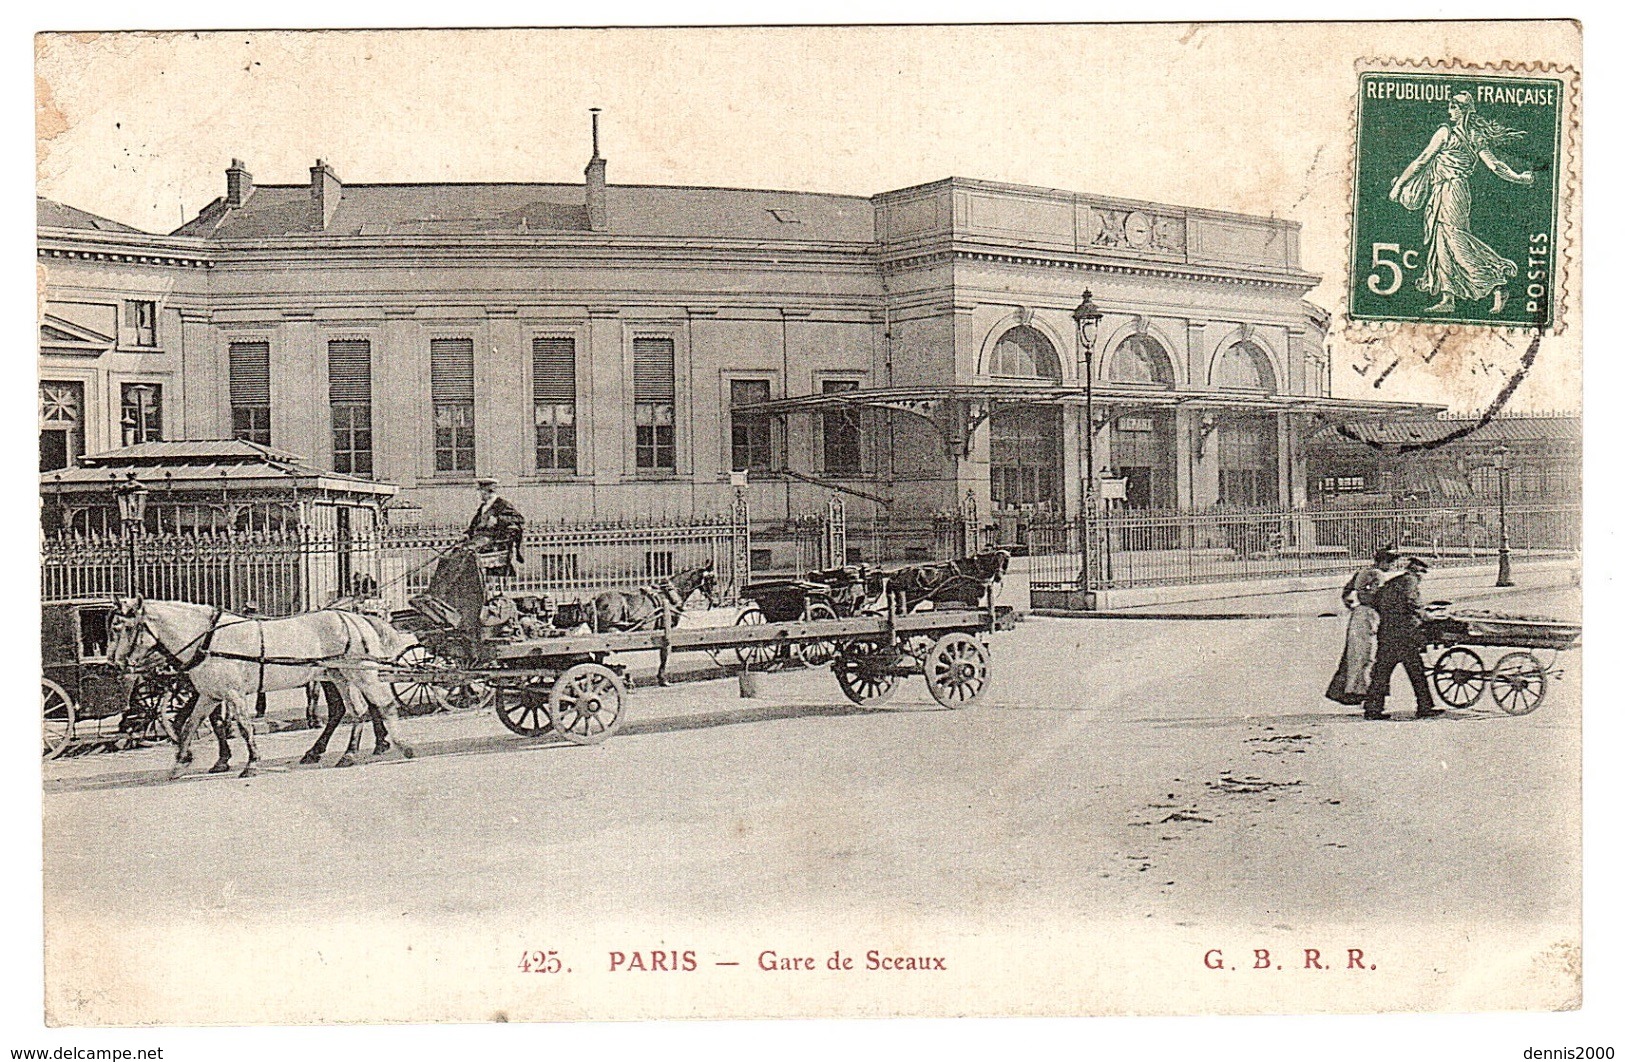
569,682
1518,680
84,697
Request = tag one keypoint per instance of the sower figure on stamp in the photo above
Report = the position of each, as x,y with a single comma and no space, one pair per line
1458,263
497,527
1399,628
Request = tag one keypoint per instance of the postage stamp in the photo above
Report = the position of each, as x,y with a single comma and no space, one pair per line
1457,177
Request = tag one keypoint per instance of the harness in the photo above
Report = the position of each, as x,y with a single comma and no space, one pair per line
204,642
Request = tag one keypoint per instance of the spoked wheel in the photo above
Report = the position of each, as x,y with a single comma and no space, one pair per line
817,654
956,670
523,709
420,696
56,721
760,654
866,673
587,704
1518,683
472,696
1459,677
161,701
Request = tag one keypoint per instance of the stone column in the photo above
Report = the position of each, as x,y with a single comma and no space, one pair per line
1196,353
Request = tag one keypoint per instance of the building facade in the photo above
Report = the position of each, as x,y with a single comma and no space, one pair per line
615,352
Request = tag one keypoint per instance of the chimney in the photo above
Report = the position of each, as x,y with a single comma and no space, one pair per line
325,192
597,207
239,184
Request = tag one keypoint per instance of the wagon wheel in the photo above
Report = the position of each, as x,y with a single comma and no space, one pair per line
420,696
1518,683
758,655
523,709
162,701
56,718
956,670
472,696
817,654
866,673
587,704
1459,677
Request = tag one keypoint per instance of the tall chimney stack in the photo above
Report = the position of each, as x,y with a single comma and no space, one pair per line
239,184
597,204
325,192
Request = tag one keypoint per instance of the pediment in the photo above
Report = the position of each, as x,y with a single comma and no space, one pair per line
60,336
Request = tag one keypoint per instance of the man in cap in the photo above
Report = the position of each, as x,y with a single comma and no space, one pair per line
1399,642
498,526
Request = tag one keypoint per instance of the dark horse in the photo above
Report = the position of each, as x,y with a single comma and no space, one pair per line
659,606
963,582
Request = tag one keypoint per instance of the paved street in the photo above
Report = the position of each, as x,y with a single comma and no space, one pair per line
1186,777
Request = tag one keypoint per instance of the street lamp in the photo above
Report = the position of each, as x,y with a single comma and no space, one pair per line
132,514
1503,568
1087,316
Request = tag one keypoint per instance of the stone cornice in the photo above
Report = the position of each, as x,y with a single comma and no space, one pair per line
1212,274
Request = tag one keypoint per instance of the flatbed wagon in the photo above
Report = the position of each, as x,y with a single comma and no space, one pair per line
570,682
1458,641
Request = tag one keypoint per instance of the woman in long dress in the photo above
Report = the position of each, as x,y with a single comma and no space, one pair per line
1353,676
1458,264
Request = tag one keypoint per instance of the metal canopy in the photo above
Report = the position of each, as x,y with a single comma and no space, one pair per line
957,410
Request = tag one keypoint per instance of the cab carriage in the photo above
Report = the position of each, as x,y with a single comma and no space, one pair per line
84,699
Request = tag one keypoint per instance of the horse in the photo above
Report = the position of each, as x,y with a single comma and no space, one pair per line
229,658
962,582
660,606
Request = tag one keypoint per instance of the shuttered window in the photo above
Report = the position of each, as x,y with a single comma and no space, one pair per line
451,385
349,393
141,412
654,389
553,393
249,365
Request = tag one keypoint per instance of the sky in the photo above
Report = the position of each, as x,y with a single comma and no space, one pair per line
1250,118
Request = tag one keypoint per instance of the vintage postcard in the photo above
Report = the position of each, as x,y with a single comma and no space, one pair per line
912,521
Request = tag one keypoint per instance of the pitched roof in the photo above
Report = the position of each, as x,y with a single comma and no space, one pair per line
50,214
189,462
1504,429
518,209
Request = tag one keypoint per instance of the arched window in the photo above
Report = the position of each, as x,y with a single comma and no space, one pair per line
1024,352
1140,361
1244,367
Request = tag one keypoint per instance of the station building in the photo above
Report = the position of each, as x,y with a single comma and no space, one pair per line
614,352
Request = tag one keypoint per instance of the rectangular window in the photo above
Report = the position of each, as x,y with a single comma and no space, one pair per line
843,433
249,365
141,415
141,319
751,438
1247,463
61,424
654,395
349,395
451,389
553,396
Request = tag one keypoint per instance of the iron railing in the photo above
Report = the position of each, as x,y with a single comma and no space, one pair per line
284,572
1136,548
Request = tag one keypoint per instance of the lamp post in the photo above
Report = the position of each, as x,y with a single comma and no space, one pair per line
132,514
1503,567
1087,316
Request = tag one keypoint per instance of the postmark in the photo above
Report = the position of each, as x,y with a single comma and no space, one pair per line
1458,196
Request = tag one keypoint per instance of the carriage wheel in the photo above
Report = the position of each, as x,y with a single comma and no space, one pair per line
472,697
956,670
1518,683
866,673
756,656
420,696
1459,677
523,709
56,718
587,704
817,654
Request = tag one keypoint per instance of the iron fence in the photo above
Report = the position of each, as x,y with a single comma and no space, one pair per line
1137,548
284,572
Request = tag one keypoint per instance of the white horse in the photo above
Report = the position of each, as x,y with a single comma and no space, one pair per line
230,658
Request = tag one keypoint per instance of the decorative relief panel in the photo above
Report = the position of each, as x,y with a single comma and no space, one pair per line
1138,230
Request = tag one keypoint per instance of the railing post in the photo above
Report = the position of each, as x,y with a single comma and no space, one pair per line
741,542
971,523
835,534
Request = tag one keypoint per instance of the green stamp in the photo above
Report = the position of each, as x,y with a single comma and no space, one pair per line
1456,179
